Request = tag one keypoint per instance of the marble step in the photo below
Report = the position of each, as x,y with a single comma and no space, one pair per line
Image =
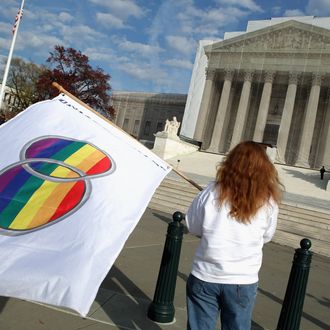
171,194
294,212
293,240
167,206
312,232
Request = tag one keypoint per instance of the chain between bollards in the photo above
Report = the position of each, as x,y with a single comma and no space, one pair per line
295,292
161,309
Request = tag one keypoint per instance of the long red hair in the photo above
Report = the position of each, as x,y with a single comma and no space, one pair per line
247,179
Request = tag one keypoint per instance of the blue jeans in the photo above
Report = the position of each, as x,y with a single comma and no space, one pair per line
206,300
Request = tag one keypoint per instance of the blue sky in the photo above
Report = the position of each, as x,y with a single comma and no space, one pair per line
145,45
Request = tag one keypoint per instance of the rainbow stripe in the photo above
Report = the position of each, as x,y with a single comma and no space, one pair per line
71,152
28,202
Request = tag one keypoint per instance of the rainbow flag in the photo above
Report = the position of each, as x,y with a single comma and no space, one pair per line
72,189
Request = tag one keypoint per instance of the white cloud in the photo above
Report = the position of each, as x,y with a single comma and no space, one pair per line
137,47
48,27
41,30
4,43
147,73
45,37
65,17
196,23
223,16
9,2
110,21
78,35
40,16
37,41
121,8
106,55
318,7
293,13
5,28
181,24
211,22
143,71
181,44
276,10
177,63
63,25
42,43
248,4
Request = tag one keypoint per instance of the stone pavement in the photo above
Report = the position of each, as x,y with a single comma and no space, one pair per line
127,291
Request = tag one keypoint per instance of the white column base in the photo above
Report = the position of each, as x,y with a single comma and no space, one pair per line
302,163
328,185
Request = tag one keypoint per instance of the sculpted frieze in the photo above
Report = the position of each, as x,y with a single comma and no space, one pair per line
284,39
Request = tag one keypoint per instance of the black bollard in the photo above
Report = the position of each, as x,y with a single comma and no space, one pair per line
295,292
162,309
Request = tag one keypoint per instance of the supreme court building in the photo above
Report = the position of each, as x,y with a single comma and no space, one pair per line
270,83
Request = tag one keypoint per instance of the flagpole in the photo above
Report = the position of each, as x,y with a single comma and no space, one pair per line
4,80
62,90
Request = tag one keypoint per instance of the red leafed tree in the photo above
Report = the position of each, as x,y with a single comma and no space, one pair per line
71,69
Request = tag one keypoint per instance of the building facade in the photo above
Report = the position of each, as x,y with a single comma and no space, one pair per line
8,104
269,84
144,114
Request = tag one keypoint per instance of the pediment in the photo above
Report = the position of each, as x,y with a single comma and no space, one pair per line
286,36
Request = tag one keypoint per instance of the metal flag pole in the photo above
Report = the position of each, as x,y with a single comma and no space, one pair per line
5,75
62,90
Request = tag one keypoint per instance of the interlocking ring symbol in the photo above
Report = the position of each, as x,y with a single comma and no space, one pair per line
51,181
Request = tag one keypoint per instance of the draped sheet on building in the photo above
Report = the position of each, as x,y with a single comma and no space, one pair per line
72,189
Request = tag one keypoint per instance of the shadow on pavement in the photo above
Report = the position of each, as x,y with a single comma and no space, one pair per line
256,326
323,301
127,307
3,302
308,317
167,219
182,276
313,178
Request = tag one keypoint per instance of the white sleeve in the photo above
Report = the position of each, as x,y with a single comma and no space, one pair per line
194,217
195,214
270,231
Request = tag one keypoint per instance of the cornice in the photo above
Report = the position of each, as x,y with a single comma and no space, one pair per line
148,98
290,36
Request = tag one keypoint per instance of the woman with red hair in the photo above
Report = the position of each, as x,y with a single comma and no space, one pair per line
234,216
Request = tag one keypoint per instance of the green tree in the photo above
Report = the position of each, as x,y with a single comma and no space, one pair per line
71,69
22,79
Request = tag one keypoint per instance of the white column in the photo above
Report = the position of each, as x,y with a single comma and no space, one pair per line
242,110
283,132
264,107
205,104
222,111
121,113
309,123
325,160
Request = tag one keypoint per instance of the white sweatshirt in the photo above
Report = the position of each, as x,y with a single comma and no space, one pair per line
230,252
